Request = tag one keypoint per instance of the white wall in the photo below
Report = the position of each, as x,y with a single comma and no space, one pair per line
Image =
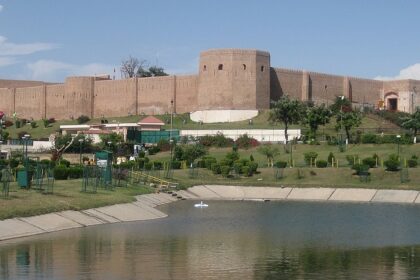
218,116
262,135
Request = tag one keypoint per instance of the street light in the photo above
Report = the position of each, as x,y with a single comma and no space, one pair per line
81,140
398,146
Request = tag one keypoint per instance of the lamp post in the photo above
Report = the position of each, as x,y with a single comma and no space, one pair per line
81,140
172,119
398,146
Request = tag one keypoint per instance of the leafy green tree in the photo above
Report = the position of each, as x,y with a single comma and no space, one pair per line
270,152
192,152
286,111
341,103
347,121
412,122
316,116
111,141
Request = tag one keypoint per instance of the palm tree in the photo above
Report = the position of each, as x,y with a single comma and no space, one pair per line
270,152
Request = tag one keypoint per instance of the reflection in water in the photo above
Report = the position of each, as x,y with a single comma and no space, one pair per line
235,240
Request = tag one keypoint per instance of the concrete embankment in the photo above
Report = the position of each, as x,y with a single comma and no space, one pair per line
140,210
221,192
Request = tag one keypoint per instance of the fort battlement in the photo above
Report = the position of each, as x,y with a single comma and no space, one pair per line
227,79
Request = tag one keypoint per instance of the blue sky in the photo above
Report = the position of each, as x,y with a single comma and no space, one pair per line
51,39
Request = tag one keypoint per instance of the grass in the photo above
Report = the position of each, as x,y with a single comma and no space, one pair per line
66,196
182,121
362,150
312,177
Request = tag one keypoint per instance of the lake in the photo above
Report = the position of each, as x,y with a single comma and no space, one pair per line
231,240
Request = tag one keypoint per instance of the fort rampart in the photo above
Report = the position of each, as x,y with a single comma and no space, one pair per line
228,79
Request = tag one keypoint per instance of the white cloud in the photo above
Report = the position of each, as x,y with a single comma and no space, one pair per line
8,48
410,72
5,61
1,8
51,70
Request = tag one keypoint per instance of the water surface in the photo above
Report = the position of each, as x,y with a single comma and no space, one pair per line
231,240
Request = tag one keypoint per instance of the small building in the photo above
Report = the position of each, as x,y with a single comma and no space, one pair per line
95,130
151,123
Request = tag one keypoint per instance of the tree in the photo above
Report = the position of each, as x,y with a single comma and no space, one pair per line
286,111
270,152
134,67
412,123
130,66
152,71
189,152
341,103
348,120
316,116
111,141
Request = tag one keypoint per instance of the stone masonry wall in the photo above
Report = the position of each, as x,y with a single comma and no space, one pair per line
186,94
7,100
155,95
30,102
115,98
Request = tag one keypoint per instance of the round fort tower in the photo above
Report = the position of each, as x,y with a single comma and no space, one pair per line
232,79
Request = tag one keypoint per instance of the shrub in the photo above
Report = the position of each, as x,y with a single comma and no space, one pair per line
157,164
310,157
48,163
281,164
64,162
246,171
33,124
251,157
360,168
331,157
231,157
245,142
392,163
352,159
369,138
148,165
321,163
176,164
253,166
83,119
412,163
370,161
45,122
153,150
18,123
141,162
61,173
219,140
75,172
8,123
208,161
51,120
163,145
237,166
142,154
215,168
225,170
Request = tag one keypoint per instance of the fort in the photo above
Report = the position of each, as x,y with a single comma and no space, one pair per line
227,79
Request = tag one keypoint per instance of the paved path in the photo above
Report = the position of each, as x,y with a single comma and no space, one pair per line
221,192
140,210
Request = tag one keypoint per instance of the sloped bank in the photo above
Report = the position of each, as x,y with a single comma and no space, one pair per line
226,192
142,209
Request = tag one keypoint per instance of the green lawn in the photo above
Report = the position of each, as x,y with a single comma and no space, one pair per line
181,121
312,177
66,196
361,150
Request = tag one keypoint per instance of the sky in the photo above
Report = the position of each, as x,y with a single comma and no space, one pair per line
49,40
